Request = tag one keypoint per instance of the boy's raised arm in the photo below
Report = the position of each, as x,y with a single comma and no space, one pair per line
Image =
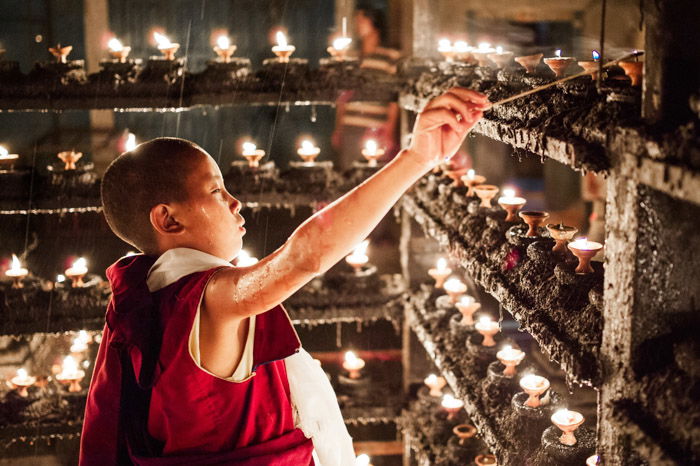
330,234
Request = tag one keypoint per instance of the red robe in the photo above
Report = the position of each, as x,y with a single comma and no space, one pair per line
150,404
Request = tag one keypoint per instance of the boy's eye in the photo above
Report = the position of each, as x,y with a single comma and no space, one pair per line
217,190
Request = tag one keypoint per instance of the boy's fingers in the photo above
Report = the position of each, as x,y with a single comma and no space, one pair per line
437,117
452,102
470,95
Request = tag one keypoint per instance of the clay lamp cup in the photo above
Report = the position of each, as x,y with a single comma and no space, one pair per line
224,49
500,58
451,405
584,251
353,364
559,64
534,386
69,159
21,382
567,421
70,374
510,357
463,52
529,62
61,53
486,460
488,328
591,66
118,51
16,272
283,50
562,234
252,154
308,152
467,306
7,160
77,272
446,49
593,460
634,70
456,176
486,192
470,180
372,152
534,219
464,432
454,287
339,49
167,48
435,384
511,204
440,272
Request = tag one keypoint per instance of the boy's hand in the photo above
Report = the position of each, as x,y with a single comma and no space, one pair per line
444,123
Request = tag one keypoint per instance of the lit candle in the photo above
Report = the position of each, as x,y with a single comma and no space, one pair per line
252,154
17,272
224,49
308,152
462,51
440,272
60,278
454,287
353,364
471,179
510,357
118,51
486,192
6,159
534,386
501,58
482,52
435,384
511,204
558,64
488,328
166,47
61,53
130,143
77,271
22,381
467,306
70,374
485,460
340,46
245,260
452,405
358,258
446,50
568,422
70,159
591,66
283,50
363,460
593,460
80,343
584,250
371,152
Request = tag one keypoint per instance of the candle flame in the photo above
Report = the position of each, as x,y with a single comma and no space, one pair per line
471,173
453,284
431,379
60,278
499,49
484,45
281,39
466,300
223,42
507,348
449,401
444,45
16,264
22,373
485,320
361,249
244,259
3,152
564,416
115,45
371,146
162,41
70,366
442,264
342,43
509,192
557,53
595,55
130,142
249,148
461,46
80,263
351,357
307,145
362,460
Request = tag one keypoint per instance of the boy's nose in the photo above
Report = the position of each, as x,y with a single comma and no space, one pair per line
235,205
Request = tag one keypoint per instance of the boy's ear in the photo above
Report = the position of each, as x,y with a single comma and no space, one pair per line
163,220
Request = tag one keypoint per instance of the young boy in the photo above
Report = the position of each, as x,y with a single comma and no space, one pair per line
199,363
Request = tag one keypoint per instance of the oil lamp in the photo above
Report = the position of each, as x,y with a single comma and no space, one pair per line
353,364
454,287
166,47
487,328
567,421
486,192
510,357
501,58
446,49
435,384
371,152
440,272
80,343
534,386
283,50
534,219
358,258
61,53
511,204
22,381
117,50
452,405
558,64
470,180
339,48
77,271
308,152
482,52
591,66
529,62
464,432
69,159
485,460
252,154
467,306
562,234
70,374
634,70
245,260
7,160
224,49
584,250
17,272
363,460
462,51
130,143
593,460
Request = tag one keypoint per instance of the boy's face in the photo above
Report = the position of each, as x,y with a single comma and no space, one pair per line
210,216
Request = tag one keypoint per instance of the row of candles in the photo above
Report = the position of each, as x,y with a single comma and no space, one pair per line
223,48
486,55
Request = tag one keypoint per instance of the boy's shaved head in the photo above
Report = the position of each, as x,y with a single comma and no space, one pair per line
153,173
